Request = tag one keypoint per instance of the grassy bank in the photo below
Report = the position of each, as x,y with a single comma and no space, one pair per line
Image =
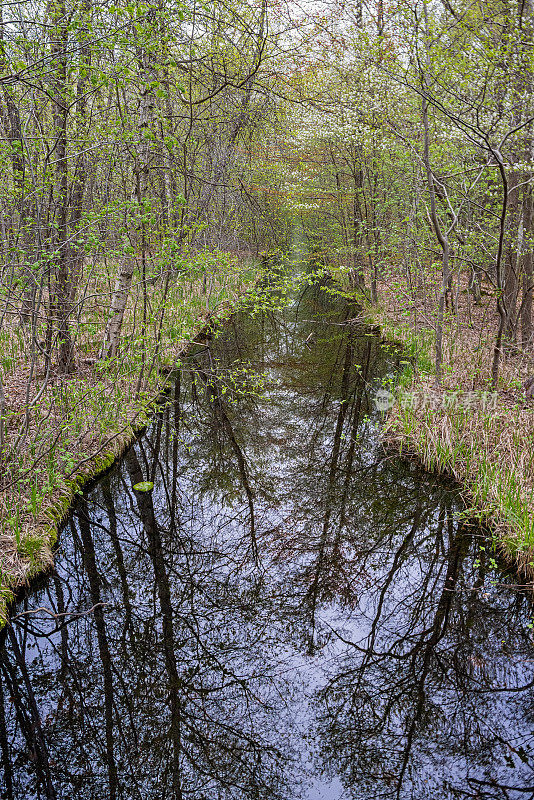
484,439
82,422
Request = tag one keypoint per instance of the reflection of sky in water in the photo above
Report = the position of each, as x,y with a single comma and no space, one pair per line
291,613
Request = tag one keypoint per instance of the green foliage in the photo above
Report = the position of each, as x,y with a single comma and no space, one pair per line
144,486
30,547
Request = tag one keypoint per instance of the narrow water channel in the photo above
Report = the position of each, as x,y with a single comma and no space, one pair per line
291,613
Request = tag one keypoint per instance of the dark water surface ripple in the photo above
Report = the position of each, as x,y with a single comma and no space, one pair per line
289,614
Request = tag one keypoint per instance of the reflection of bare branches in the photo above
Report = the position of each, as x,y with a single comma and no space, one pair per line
213,391
89,559
56,615
30,722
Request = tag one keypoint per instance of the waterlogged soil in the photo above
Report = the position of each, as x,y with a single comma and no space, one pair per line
291,612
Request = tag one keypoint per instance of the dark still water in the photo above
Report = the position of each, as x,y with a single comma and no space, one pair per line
291,613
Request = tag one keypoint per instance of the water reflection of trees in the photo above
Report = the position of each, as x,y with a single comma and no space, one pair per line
425,701
153,701
284,576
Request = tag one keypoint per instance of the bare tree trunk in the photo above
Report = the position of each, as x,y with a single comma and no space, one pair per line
13,123
443,239
527,266
442,234
501,310
75,251
141,174
357,231
119,299
58,48
511,261
527,272
17,234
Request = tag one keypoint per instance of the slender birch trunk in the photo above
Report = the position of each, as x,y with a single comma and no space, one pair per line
58,47
147,102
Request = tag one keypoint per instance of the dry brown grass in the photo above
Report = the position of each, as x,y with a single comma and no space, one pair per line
490,452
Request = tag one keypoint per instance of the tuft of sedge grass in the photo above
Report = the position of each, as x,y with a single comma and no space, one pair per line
488,456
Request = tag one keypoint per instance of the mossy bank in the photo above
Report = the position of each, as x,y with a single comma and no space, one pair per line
87,420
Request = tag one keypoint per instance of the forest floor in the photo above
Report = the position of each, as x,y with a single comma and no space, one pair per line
84,421
484,439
